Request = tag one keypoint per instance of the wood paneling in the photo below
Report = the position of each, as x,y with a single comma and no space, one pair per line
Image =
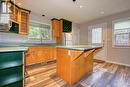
71,61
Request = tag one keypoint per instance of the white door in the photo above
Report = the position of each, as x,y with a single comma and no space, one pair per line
95,34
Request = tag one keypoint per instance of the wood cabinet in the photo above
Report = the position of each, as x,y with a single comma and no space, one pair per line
14,16
72,65
24,22
55,28
12,69
19,16
39,54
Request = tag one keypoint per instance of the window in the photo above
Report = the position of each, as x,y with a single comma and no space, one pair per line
97,36
39,31
121,33
68,38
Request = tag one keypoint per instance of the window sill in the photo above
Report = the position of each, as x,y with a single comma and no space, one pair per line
123,47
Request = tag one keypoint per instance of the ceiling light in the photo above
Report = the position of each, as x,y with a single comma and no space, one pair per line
102,12
80,6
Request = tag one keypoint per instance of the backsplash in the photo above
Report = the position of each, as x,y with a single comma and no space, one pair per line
17,38
12,37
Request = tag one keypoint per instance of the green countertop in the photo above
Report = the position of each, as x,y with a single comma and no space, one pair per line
81,47
24,46
13,49
29,44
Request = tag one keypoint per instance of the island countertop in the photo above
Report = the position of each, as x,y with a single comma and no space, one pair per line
81,47
13,49
29,44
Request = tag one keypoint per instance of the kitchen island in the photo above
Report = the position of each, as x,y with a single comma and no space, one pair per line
74,62
12,66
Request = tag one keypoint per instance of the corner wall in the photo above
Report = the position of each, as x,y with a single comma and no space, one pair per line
116,55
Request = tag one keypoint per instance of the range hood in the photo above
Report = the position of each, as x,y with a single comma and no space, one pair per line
4,27
4,22
4,15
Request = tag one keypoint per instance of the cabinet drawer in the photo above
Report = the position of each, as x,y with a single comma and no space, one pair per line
11,75
11,59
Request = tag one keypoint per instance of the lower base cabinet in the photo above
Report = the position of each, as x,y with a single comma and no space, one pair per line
73,65
11,69
39,54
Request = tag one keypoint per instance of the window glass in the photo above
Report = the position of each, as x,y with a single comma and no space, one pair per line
121,32
97,35
38,31
68,38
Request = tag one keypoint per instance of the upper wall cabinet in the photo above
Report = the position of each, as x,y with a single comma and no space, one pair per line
55,28
24,22
16,16
66,26
59,27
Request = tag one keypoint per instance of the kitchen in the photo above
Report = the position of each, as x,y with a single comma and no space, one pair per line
64,43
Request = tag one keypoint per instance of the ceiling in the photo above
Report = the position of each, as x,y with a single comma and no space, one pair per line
90,9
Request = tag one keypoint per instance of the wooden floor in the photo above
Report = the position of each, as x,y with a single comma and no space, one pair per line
103,75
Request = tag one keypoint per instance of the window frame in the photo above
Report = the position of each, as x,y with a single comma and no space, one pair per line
114,45
101,35
37,39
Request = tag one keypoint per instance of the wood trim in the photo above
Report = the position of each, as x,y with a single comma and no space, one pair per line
98,61
86,54
23,55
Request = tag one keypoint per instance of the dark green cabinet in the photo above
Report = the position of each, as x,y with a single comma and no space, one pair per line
11,69
66,26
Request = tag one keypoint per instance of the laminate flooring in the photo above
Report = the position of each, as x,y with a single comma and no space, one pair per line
103,75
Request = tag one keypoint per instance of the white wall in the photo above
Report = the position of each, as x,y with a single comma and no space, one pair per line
39,18
118,55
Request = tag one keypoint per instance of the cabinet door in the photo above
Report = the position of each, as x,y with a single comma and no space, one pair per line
51,53
29,58
55,28
45,53
59,39
14,13
32,57
24,22
39,54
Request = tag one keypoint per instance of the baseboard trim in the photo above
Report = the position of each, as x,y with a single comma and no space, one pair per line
98,61
118,63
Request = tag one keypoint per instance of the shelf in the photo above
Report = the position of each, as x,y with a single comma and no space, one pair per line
16,84
11,59
10,76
